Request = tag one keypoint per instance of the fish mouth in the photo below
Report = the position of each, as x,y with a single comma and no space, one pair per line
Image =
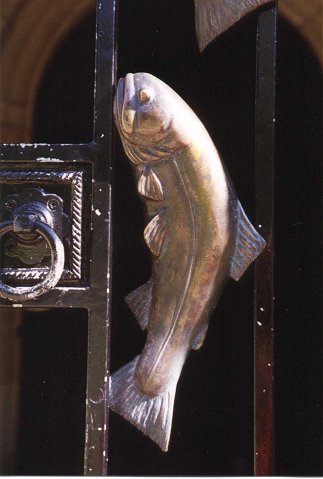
123,112
126,112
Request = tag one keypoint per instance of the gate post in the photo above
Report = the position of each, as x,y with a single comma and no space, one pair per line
263,280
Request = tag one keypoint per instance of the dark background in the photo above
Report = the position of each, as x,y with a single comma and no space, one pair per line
213,419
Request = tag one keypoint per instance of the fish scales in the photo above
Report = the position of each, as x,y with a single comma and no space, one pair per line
198,235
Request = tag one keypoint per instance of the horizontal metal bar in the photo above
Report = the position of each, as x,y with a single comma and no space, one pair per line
65,297
26,152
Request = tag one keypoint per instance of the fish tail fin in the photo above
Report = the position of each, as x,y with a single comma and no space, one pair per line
151,415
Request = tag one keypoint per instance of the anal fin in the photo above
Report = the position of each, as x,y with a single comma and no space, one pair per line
151,415
140,301
249,244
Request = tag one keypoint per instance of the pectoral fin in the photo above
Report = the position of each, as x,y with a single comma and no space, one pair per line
140,301
150,186
249,244
155,233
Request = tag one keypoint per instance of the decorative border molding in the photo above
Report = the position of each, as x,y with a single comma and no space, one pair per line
75,180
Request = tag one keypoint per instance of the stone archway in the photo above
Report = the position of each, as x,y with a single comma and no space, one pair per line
31,31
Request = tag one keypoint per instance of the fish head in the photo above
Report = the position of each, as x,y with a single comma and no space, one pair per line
140,107
143,114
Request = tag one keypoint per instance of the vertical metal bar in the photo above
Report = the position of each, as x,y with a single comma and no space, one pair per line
264,288
95,454
104,73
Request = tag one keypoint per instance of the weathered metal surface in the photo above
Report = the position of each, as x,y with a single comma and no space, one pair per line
31,224
213,17
29,247
35,221
198,235
72,182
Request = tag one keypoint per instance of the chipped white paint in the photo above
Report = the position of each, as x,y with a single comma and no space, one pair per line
259,323
97,212
54,160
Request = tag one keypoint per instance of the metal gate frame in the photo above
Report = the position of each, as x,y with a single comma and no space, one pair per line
96,293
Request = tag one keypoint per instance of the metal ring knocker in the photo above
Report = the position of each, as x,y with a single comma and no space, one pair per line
25,293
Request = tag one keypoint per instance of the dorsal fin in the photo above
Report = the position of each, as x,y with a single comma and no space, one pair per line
149,185
155,233
249,244
140,301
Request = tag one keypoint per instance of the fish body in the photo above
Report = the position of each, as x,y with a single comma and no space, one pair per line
198,235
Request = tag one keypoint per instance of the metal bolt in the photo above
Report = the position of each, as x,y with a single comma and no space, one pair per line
53,204
10,204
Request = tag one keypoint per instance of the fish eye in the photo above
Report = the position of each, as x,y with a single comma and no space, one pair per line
145,95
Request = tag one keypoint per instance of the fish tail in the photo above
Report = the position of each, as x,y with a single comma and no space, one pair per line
151,415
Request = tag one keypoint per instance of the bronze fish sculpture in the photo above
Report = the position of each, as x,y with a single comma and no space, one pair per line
198,235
